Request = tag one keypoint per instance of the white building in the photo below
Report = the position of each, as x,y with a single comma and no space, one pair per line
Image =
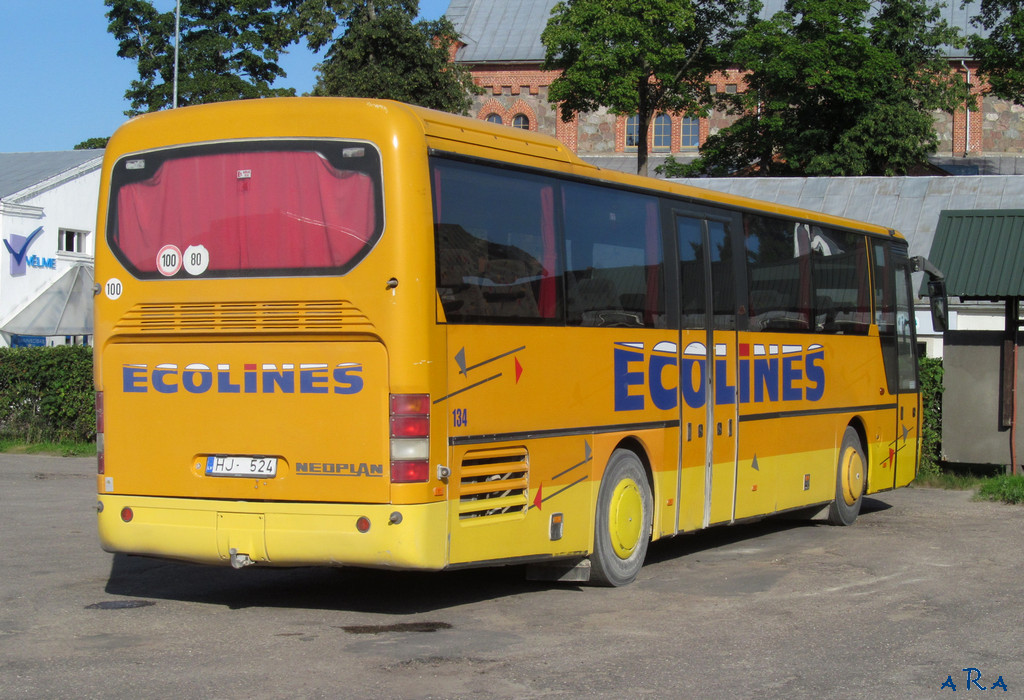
48,204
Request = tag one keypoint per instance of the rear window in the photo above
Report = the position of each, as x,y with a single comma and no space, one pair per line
246,209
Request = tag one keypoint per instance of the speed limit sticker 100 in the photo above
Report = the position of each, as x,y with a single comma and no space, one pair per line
168,260
113,288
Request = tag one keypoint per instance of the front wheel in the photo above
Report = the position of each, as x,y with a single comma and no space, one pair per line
625,511
850,480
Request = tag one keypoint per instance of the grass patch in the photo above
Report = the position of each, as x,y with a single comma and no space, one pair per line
62,449
950,480
987,486
957,476
1008,489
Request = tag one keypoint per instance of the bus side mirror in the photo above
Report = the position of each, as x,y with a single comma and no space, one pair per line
937,299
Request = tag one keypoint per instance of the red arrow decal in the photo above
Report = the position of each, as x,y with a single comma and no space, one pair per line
519,370
892,455
537,500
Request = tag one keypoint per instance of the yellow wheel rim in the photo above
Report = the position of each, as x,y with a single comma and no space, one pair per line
852,475
625,518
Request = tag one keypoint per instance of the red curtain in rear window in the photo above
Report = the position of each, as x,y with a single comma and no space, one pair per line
252,211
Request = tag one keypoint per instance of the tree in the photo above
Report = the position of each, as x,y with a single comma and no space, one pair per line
639,57
383,53
95,142
838,87
1001,53
228,50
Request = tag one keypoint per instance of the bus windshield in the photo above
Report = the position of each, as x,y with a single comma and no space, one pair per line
246,209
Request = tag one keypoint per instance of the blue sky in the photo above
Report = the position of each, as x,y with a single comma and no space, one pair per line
61,81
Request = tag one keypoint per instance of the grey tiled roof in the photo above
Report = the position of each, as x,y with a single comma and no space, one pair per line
19,171
500,30
911,205
626,162
509,30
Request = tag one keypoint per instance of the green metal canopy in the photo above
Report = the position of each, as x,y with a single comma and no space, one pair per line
981,253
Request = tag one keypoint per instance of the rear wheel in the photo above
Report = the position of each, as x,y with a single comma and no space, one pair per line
850,480
625,512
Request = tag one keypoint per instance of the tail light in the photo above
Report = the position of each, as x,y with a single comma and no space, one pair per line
100,463
410,438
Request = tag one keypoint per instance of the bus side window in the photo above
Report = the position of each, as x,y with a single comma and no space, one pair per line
614,258
494,264
839,273
778,273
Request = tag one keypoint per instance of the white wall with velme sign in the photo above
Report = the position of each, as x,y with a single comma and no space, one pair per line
46,228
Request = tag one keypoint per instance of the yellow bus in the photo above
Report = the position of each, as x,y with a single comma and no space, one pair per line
358,333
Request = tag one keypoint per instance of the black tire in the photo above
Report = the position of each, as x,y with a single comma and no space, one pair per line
622,531
851,480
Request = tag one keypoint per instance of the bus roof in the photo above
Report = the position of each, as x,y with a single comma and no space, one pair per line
476,137
317,117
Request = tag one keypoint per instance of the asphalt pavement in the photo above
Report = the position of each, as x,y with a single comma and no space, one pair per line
922,593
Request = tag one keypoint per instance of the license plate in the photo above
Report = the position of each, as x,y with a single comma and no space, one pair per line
241,465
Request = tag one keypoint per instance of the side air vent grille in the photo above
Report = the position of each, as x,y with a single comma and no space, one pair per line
494,484
243,317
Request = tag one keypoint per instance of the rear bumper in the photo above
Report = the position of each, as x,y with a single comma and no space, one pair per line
276,534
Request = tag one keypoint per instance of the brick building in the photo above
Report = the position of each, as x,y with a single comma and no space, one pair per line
500,43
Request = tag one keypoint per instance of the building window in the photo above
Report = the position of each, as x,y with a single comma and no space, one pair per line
632,127
731,89
71,241
521,121
662,133
691,133
494,118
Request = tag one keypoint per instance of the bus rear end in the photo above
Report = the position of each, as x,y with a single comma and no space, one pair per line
261,392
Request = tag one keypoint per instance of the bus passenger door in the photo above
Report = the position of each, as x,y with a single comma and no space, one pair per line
908,411
897,463
707,362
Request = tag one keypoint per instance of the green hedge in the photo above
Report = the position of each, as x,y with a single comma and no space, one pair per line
46,394
931,415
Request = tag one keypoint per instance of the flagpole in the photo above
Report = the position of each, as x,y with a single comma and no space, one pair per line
177,33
